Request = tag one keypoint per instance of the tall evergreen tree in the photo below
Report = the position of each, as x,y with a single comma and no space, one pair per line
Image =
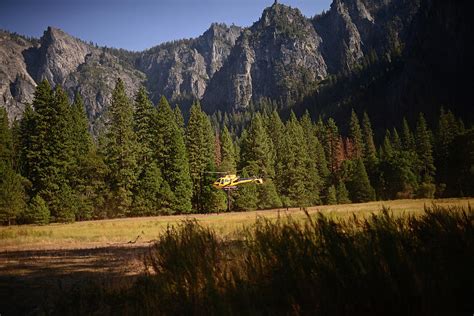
34,127
143,118
355,135
47,150
332,148
342,193
448,130
370,153
258,160
120,151
81,137
200,146
228,163
312,144
12,195
408,140
424,150
172,159
276,130
295,177
359,185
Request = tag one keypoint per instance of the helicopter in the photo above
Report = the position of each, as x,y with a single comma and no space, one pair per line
231,181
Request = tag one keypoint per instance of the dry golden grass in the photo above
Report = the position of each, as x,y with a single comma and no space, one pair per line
143,230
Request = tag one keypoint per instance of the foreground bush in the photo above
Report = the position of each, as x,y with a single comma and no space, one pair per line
380,265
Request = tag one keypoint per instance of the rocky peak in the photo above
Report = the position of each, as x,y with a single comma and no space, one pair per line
274,58
215,45
61,54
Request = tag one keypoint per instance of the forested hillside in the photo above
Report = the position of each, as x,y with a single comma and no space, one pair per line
149,161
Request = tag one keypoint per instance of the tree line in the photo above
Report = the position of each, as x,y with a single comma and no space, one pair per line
148,161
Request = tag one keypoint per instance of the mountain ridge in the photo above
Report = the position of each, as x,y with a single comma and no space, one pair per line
282,56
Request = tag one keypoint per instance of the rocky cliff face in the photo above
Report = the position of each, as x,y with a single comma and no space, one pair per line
282,56
16,85
273,58
353,29
182,69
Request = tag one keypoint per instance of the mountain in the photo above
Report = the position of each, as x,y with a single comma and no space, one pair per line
284,56
427,67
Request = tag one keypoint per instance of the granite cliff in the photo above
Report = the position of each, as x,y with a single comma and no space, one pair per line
283,56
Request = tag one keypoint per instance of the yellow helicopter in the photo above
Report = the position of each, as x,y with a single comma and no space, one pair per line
231,181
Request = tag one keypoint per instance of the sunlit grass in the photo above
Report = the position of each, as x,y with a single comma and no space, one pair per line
147,229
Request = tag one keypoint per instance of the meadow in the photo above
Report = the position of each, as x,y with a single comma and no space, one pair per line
394,258
145,230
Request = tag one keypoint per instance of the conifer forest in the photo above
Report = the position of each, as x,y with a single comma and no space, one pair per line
149,160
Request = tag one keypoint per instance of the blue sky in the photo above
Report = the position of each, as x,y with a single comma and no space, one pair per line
136,24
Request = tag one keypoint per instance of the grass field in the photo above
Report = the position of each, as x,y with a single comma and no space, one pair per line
144,230
45,268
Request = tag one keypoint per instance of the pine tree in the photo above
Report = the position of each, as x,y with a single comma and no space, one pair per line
331,197
81,138
143,117
370,155
200,146
257,160
355,135
148,192
387,149
396,141
424,150
359,184
83,147
12,195
246,197
34,128
148,183
120,151
295,157
37,211
448,130
333,147
426,167
178,115
312,144
6,139
217,149
275,130
172,160
408,140
342,193
228,163
47,148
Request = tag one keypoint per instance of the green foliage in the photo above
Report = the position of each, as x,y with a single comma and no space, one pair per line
200,148
37,211
370,155
331,196
120,151
228,163
246,198
424,149
149,191
172,159
257,159
12,194
342,194
359,184
296,181
355,134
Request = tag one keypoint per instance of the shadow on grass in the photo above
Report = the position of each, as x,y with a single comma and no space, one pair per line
31,282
